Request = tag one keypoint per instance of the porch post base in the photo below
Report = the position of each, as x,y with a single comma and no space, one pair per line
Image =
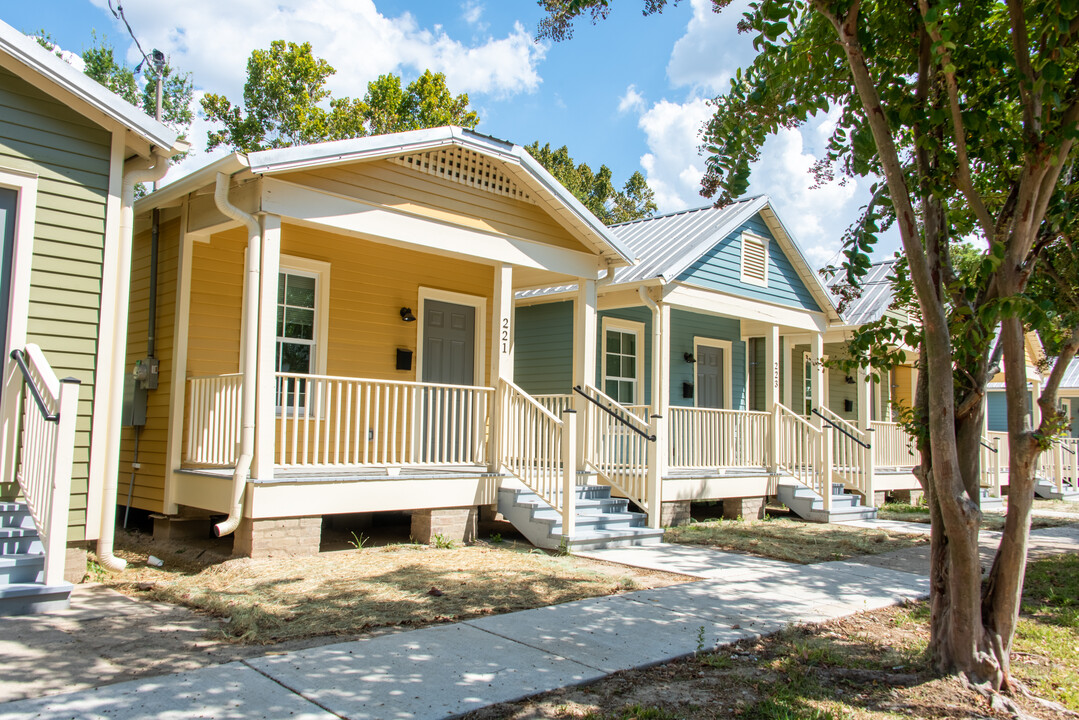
674,513
278,537
456,524
911,497
750,508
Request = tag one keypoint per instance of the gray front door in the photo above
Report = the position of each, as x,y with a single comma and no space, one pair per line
709,377
449,343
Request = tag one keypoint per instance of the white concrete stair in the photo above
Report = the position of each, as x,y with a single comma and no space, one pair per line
1046,489
22,566
601,521
809,505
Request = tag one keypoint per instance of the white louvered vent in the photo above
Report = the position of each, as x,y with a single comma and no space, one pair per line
466,168
754,259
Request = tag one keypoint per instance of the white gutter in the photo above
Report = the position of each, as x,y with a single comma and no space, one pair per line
251,354
139,173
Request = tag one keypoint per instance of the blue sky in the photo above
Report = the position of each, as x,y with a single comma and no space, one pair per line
630,92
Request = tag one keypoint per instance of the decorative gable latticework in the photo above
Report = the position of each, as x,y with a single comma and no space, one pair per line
465,167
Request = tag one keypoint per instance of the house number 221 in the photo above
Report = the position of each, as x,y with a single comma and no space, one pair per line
505,335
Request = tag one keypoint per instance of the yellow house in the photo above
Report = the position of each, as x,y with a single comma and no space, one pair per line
328,329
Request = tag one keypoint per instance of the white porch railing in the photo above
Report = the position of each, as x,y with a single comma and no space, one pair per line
555,404
1068,466
539,449
617,446
800,451
711,438
1000,441
46,452
213,419
991,465
893,447
327,421
852,454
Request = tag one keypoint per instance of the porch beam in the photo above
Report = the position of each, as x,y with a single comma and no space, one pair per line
349,216
266,317
747,309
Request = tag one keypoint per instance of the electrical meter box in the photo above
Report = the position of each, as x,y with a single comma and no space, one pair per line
133,413
146,371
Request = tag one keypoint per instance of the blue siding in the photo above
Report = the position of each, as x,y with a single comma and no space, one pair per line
684,326
997,410
543,348
636,314
719,269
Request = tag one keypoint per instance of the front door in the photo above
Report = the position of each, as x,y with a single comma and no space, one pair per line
449,343
8,203
710,377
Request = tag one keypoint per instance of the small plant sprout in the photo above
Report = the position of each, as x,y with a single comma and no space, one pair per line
700,639
442,542
358,541
496,538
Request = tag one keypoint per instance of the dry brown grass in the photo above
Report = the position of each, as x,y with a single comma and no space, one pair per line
792,540
990,520
353,591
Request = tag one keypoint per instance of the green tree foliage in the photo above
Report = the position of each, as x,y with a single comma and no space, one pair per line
596,190
286,102
969,112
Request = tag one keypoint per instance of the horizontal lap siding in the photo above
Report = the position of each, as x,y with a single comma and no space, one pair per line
685,326
70,156
385,183
369,284
543,348
720,269
149,486
838,387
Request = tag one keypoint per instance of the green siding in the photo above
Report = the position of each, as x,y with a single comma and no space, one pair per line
838,387
685,326
70,156
720,269
543,348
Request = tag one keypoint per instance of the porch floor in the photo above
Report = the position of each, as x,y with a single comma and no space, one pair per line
343,475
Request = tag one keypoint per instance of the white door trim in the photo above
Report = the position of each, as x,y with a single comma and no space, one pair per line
479,303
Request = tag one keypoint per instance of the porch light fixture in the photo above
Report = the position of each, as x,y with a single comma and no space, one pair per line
689,357
849,379
406,315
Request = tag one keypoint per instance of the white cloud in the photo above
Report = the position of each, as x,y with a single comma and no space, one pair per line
472,11
673,165
711,50
632,100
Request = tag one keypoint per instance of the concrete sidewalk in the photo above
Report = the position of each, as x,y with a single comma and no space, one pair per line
447,670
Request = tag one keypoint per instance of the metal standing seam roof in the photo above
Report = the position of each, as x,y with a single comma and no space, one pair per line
876,295
45,63
1071,375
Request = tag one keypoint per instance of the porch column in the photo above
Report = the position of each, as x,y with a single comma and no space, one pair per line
502,345
771,388
266,317
584,355
788,361
1035,408
816,347
661,361
865,424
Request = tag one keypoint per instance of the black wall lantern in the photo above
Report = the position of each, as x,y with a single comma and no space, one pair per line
406,315
689,357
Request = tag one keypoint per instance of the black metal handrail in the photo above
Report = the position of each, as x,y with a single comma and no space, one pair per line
1065,449
866,445
17,356
988,447
612,413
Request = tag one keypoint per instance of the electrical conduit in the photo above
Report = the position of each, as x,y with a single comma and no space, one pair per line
139,173
251,354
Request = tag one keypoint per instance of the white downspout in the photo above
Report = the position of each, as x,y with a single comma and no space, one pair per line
251,354
139,173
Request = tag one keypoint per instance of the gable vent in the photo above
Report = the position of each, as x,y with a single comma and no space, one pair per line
754,259
464,167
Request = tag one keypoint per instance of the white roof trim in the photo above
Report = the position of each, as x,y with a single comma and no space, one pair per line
27,51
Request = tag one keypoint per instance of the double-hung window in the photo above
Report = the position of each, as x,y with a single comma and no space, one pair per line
621,361
297,334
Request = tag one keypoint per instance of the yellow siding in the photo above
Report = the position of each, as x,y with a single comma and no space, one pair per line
217,271
904,378
401,188
149,489
369,284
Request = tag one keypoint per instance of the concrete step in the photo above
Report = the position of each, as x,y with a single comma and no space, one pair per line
1048,490
15,541
15,515
809,505
22,568
31,598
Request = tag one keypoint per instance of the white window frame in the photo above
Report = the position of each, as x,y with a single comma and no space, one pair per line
727,347
320,271
807,388
625,326
747,235
479,302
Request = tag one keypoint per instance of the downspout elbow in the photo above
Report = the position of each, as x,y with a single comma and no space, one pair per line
247,414
139,173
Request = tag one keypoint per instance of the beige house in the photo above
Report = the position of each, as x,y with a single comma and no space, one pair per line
334,334
71,153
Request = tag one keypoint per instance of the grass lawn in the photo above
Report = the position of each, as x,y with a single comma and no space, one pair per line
352,591
990,520
871,666
792,540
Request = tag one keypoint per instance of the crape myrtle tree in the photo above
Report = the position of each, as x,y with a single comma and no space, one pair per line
969,112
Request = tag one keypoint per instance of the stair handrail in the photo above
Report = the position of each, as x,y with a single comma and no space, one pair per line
987,446
839,428
580,391
46,448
